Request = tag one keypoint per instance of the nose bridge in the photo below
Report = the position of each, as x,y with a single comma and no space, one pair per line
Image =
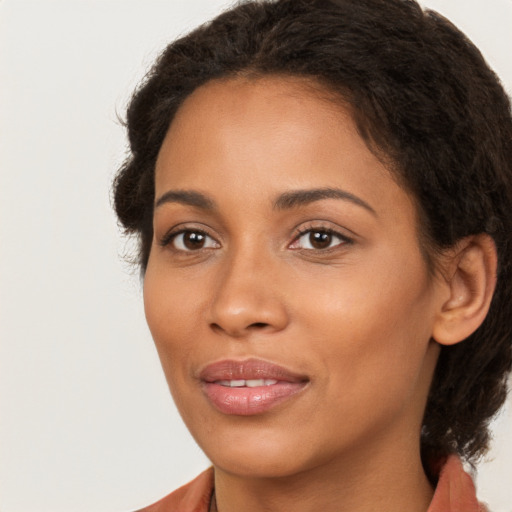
247,297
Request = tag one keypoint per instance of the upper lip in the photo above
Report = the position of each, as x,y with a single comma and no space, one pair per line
248,369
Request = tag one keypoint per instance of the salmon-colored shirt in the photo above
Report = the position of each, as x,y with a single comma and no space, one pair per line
455,492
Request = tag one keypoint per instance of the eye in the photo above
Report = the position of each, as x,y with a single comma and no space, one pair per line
191,240
318,239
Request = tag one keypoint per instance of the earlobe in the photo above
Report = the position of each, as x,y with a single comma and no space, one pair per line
470,275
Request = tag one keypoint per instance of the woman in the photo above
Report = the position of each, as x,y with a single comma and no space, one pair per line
322,191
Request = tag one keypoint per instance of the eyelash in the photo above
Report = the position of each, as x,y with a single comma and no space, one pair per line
170,237
344,240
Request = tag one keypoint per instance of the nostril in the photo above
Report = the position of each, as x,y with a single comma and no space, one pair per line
258,325
216,327
235,332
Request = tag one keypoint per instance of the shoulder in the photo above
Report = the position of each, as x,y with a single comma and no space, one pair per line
192,497
455,492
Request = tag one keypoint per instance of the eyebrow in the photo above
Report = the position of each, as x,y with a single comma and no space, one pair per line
186,197
299,198
285,201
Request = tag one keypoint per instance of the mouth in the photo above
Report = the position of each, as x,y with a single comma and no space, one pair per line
249,383
249,387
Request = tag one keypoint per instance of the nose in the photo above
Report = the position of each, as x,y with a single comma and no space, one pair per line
248,298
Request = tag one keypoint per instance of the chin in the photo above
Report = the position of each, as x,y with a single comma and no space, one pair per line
254,451
258,464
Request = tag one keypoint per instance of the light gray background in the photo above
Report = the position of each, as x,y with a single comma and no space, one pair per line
86,421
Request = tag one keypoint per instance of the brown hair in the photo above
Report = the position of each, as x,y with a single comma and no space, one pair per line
424,97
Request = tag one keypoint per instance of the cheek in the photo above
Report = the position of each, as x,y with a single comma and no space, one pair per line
169,310
169,306
372,332
170,297
173,307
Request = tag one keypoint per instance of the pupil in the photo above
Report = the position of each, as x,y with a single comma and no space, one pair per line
193,240
320,239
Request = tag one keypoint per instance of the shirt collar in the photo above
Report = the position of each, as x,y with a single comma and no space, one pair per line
455,490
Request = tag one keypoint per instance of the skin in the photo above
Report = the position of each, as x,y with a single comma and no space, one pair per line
356,318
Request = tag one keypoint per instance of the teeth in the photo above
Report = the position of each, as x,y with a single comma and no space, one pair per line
250,383
260,382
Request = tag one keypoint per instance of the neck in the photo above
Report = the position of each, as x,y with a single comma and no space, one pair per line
387,480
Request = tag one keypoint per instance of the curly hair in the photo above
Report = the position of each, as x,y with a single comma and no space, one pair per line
423,99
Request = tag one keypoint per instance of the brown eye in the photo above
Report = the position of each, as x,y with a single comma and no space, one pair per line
193,241
319,239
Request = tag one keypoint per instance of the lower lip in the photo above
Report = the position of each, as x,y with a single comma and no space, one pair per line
245,401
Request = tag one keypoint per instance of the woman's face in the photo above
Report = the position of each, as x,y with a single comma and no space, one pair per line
286,291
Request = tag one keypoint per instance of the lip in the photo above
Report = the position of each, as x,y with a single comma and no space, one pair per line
244,400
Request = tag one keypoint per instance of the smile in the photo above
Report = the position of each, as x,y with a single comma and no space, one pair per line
250,383
250,387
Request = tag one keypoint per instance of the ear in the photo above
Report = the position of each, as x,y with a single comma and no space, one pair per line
469,273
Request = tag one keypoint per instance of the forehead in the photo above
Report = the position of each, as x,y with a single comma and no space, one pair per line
268,116
266,136
236,95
